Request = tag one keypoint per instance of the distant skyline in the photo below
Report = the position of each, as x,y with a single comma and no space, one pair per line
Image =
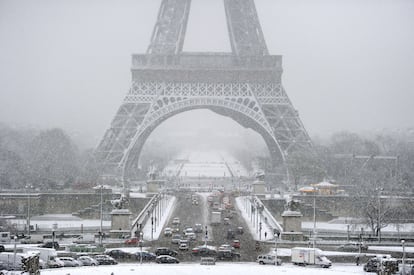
348,64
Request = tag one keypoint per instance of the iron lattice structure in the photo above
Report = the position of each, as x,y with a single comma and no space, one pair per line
244,85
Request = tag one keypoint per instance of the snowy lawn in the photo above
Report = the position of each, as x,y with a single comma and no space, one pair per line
218,269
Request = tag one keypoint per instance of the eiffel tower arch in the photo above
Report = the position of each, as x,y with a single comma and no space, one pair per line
244,85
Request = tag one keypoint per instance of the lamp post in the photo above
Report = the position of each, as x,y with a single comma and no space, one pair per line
141,235
53,237
276,237
379,213
206,237
101,217
14,254
28,187
403,257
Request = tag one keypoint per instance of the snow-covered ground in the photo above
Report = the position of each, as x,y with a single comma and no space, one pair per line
218,269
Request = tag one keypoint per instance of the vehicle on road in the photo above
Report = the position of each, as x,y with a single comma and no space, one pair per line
165,251
146,256
236,244
204,251
268,259
183,245
176,221
70,262
105,260
168,232
54,245
228,255
118,254
309,256
176,238
215,218
132,241
165,259
87,261
372,265
198,228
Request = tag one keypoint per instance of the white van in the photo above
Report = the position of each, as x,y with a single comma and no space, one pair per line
268,259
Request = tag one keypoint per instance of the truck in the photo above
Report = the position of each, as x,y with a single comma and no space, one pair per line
309,256
215,218
47,255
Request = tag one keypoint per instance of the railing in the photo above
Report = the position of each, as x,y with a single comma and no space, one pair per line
205,60
143,216
269,217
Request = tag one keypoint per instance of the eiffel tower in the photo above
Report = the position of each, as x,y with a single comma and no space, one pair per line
244,85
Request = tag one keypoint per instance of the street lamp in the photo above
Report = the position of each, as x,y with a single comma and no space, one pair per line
276,237
28,187
15,250
140,244
101,216
379,213
403,257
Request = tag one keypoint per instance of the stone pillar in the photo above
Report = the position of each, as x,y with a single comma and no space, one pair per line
292,225
259,188
120,223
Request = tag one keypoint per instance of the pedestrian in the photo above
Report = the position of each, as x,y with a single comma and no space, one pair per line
265,234
357,260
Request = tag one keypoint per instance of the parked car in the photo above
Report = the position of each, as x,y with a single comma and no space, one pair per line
268,259
54,245
225,247
2,249
204,251
146,256
87,261
228,255
166,259
168,232
70,262
132,241
105,260
236,244
165,251
118,254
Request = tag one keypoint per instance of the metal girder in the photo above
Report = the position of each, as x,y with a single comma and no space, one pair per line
246,36
169,30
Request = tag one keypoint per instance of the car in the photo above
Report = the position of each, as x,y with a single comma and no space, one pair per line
2,249
70,262
105,260
54,245
198,228
166,259
240,230
118,254
268,259
203,251
176,221
353,247
228,255
225,247
176,239
87,261
236,244
183,245
191,236
168,232
146,256
188,230
132,241
165,251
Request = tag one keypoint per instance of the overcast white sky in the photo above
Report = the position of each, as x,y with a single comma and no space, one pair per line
348,64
